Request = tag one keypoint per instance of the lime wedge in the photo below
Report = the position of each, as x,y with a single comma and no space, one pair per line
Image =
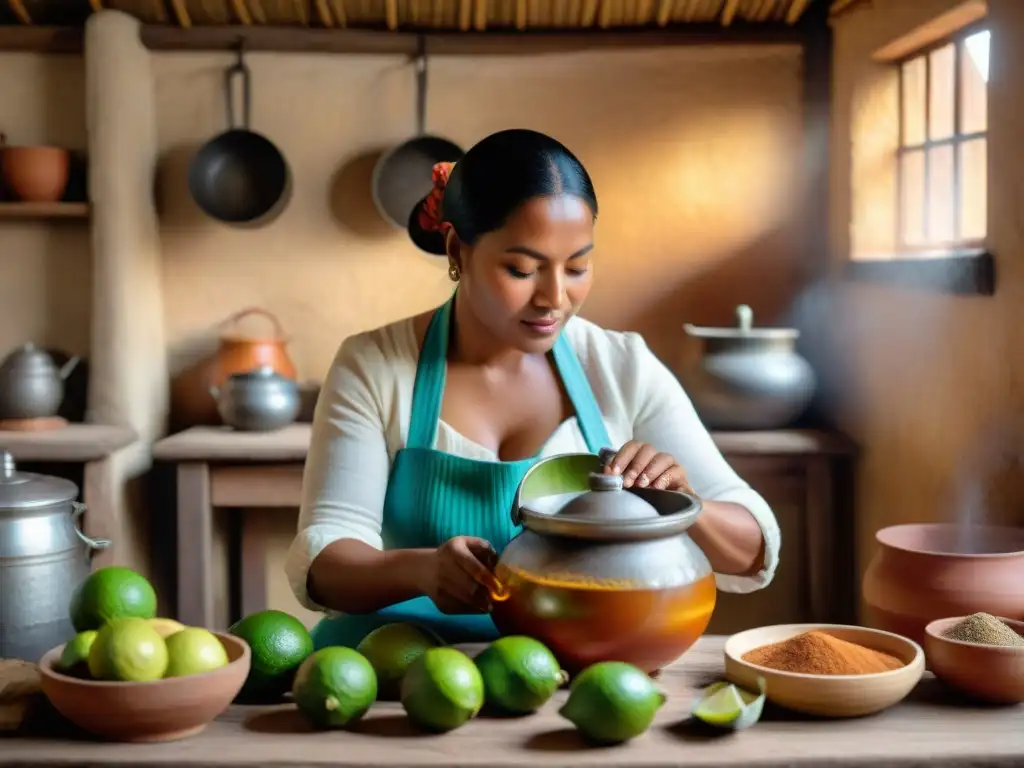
724,705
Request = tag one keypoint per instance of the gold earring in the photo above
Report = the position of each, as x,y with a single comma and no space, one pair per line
454,272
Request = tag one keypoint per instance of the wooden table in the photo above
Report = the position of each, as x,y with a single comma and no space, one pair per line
930,728
90,445
219,467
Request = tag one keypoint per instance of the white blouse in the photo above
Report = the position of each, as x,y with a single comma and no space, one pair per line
362,419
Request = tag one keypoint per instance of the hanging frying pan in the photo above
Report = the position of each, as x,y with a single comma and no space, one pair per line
402,175
239,176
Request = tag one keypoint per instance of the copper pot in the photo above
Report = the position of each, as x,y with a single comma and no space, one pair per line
35,174
933,571
192,402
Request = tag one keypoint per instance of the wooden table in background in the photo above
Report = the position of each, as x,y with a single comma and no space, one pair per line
929,729
90,445
255,472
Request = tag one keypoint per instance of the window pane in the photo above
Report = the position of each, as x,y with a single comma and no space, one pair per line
914,93
973,190
941,212
912,197
941,62
973,81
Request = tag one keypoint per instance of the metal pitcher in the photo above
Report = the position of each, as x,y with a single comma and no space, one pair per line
257,401
31,383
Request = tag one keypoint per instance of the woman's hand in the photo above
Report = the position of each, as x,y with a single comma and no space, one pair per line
641,464
459,574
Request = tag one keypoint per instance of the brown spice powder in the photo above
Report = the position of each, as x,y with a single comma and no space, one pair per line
818,653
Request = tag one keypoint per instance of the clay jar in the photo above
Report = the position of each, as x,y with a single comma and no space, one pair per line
925,572
35,174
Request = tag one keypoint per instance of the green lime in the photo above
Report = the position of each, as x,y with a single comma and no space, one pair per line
334,687
192,651
128,650
74,660
110,593
391,649
723,705
442,689
279,643
520,674
611,702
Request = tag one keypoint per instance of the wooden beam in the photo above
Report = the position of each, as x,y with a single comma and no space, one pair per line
41,39
293,40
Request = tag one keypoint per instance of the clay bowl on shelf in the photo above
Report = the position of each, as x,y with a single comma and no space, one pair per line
923,572
827,695
989,673
35,174
162,710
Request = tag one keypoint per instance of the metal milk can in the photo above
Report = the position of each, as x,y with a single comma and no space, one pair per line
44,556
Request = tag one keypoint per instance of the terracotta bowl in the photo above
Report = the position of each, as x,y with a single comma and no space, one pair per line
827,695
162,710
989,673
36,174
925,572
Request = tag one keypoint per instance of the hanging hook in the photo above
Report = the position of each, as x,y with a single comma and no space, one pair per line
239,50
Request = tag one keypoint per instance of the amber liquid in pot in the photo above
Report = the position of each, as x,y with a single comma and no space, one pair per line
586,621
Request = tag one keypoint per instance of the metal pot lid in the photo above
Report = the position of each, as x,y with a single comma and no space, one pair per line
744,329
29,355
609,512
259,373
28,490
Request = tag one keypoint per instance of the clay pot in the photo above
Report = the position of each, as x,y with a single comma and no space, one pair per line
933,571
192,403
35,174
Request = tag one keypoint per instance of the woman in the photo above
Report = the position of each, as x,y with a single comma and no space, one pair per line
425,427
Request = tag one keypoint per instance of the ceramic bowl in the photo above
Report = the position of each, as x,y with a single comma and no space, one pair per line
990,673
162,710
827,695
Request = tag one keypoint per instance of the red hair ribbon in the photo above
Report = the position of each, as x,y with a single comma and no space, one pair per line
430,211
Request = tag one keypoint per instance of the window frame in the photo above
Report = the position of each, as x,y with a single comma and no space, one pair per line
959,268
956,141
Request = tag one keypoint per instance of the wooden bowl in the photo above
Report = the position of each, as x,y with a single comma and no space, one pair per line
162,710
827,695
989,673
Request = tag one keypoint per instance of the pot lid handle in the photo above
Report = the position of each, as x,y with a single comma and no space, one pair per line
7,466
744,318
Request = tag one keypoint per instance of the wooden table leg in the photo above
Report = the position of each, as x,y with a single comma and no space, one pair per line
102,518
821,555
195,545
252,561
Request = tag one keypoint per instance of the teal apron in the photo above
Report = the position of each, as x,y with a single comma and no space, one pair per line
433,496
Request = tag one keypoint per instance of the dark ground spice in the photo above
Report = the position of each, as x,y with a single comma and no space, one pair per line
985,629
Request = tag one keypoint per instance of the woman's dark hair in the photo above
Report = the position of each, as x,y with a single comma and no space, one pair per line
491,181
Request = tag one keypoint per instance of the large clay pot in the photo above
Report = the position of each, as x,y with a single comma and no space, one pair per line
748,378
933,571
35,174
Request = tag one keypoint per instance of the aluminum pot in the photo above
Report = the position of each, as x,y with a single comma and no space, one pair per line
44,556
748,378
31,383
259,400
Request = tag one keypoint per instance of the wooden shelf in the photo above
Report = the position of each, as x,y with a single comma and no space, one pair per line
25,211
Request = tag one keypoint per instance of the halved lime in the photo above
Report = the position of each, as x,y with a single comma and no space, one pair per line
725,705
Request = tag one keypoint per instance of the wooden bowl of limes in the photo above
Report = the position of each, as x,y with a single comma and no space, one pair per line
153,710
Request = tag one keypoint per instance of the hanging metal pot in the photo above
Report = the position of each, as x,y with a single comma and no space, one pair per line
239,177
402,175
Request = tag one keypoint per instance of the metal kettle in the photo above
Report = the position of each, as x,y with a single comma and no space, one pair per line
259,400
31,383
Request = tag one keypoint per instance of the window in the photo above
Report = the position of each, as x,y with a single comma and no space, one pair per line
941,173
